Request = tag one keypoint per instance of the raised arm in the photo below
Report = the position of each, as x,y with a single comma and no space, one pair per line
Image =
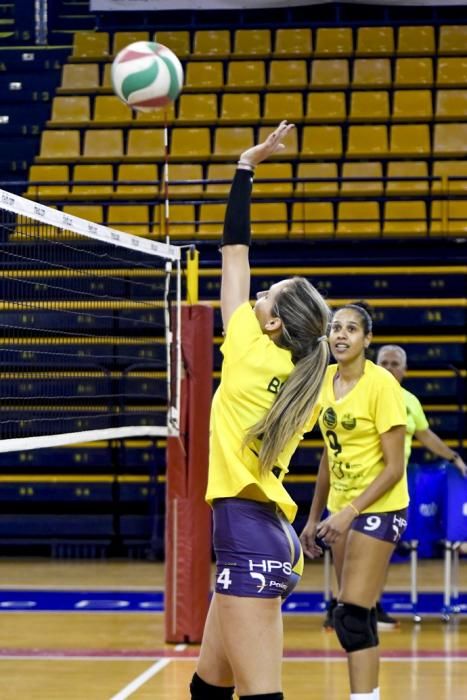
235,287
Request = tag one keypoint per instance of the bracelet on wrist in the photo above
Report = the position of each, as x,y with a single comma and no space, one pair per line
357,512
245,165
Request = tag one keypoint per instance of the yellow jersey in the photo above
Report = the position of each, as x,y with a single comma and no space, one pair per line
351,428
416,420
254,369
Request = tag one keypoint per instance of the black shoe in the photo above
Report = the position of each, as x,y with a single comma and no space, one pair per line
328,623
385,621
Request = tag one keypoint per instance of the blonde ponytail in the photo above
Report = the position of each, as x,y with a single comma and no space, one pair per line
305,318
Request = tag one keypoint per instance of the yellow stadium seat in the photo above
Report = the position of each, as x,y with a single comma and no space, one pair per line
109,109
293,42
46,174
78,77
145,144
199,108
365,170
449,218
276,171
375,41
182,221
453,39
288,74
325,107
321,142
410,140
178,42
89,212
416,41
92,175
131,218
413,72
314,219
406,169
157,117
450,139
334,42
246,75
412,105
369,72
451,104
191,144
122,39
290,152
357,219
283,105
212,43
330,73
252,42
211,220
318,171
269,219
185,171
452,72
103,145
67,111
369,106
204,75
135,173
239,108
230,141
219,171
90,45
106,84
447,170
405,219
59,146
367,141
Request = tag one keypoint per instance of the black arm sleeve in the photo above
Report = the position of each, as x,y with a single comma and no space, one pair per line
237,217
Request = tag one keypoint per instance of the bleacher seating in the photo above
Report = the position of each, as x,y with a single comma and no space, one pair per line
383,103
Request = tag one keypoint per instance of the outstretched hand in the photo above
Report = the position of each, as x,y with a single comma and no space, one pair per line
273,144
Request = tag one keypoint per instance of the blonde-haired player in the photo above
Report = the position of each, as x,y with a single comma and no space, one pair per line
275,357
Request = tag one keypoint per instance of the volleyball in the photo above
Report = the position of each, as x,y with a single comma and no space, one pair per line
146,75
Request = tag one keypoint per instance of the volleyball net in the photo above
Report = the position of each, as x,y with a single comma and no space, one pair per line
92,334
89,330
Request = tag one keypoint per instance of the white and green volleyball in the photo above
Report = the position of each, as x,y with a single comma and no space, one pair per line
146,75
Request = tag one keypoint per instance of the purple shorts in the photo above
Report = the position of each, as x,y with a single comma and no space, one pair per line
258,553
384,526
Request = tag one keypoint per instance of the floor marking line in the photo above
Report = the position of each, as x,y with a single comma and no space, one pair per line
295,659
141,679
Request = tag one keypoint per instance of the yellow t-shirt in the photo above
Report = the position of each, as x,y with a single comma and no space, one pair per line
253,371
351,427
416,420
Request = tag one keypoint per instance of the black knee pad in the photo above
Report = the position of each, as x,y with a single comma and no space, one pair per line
353,627
265,696
374,624
200,690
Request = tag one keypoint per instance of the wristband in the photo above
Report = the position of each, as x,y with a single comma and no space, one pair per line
244,165
357,512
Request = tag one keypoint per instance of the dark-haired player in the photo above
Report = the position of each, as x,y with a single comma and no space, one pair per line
362,480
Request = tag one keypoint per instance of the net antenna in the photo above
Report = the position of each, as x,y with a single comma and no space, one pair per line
82,357
174,409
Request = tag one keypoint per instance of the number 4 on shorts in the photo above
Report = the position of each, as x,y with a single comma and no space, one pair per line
224,578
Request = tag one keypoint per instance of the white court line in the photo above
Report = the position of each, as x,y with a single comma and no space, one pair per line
141,680
193,659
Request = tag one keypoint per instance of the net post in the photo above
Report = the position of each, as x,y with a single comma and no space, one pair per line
192,276
188,518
